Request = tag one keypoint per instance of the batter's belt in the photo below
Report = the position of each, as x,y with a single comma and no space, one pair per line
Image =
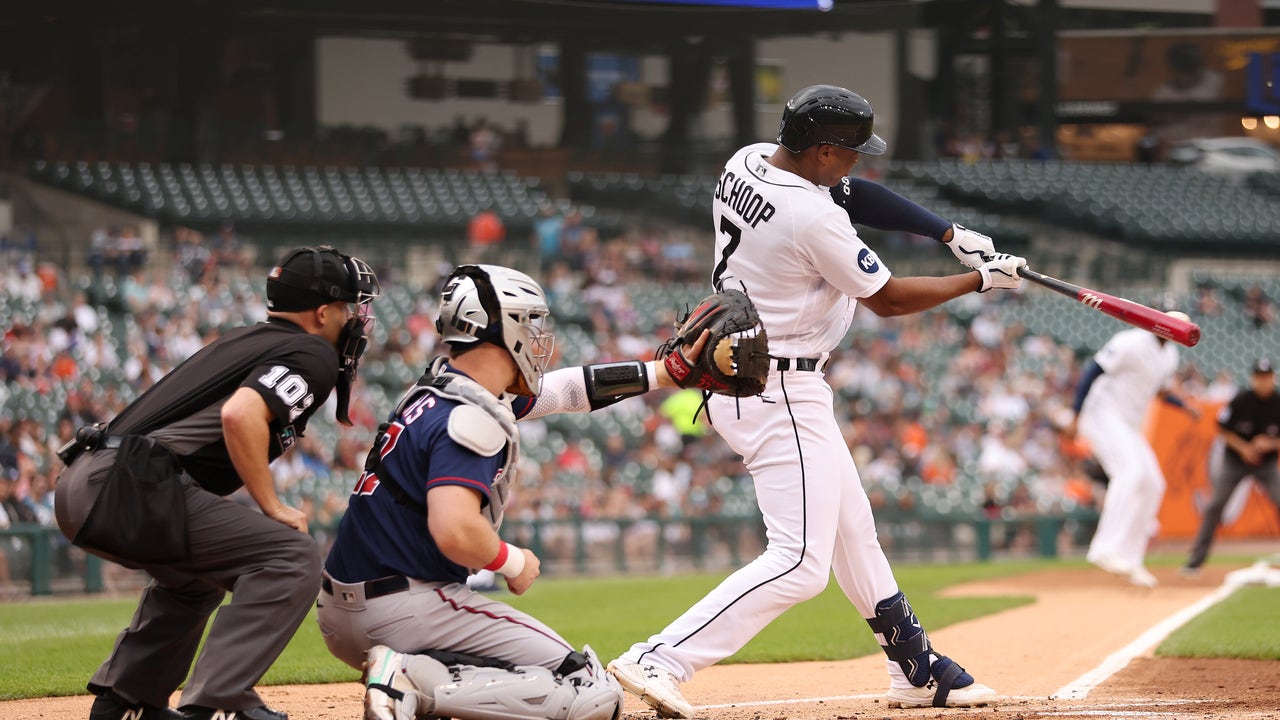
805,364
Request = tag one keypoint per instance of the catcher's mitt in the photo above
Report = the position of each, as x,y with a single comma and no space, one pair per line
735,359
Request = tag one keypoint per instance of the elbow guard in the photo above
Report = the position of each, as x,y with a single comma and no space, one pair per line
607,383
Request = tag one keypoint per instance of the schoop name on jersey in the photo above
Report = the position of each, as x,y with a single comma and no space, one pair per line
743,199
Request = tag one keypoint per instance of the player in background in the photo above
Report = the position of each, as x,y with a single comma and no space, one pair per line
426,512
781,239
1249,427
1116,387
210,426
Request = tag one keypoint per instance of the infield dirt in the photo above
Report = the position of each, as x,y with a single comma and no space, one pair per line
1079,619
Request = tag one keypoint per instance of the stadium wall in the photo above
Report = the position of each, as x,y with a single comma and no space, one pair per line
362,82
64,222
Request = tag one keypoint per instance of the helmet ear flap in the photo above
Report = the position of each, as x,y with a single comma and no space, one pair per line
489,303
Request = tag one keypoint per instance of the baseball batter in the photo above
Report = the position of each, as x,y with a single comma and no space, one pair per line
781,239
1115,389
426,511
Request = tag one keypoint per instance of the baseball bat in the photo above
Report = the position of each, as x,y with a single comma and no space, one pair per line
1153,321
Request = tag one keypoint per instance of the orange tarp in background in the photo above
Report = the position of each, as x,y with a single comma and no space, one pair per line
1183,445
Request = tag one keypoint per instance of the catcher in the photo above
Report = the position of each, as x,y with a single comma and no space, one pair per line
427,509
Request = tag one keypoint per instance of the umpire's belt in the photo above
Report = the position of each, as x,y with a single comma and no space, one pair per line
372,588
806,364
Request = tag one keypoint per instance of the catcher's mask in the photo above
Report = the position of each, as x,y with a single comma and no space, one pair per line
829,115
311,277
494,304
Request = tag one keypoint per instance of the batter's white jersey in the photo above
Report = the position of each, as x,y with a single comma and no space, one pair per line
1136,365
781,239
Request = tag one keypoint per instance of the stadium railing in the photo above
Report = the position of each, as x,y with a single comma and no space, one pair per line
43,563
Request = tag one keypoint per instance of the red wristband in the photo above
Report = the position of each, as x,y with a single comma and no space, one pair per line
503,550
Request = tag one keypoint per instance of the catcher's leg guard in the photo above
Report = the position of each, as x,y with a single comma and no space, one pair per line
424,686
905,642
399,686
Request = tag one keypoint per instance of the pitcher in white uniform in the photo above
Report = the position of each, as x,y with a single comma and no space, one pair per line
782,239
1115,390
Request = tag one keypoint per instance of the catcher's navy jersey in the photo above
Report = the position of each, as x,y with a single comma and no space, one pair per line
381,536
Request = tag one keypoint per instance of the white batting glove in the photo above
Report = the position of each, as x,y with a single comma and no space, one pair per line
1001,271
969,247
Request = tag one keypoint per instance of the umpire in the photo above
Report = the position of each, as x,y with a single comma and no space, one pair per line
145,490
1250,429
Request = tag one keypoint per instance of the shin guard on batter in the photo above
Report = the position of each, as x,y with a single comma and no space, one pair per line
405,687
905,642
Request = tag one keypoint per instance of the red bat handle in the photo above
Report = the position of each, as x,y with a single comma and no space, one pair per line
1153,321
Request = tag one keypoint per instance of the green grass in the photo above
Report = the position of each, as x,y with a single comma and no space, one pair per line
1245,625
53,647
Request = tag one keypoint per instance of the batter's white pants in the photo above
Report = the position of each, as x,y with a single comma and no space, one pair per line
817,517
1135,488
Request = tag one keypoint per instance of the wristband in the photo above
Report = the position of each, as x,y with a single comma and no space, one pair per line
509,562
651,372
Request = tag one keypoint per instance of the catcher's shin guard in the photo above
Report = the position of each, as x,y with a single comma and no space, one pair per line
426,686
905,642
530,692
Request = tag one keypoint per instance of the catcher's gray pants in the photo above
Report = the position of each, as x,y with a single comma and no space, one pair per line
271,570
433,616
1229,471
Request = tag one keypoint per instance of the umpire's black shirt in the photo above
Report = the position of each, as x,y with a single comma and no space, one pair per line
1249,415
293,370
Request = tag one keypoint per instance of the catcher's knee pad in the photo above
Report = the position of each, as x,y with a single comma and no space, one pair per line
905,642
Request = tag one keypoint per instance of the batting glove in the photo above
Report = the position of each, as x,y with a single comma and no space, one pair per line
969,247
1001,271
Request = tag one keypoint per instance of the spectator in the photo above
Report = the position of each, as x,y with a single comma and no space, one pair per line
546,234
484,143
1258,309
1207,303
485,232
22,283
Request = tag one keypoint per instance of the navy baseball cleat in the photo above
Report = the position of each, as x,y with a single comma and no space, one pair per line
262,712
110,706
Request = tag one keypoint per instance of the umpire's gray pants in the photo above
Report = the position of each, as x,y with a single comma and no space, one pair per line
271,570
1230,471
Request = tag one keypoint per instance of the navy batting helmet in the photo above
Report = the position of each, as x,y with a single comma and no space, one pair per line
832,115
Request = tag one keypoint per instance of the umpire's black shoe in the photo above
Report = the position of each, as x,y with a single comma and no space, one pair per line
110,706
262,712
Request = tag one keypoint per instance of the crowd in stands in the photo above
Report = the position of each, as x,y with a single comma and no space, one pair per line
951,411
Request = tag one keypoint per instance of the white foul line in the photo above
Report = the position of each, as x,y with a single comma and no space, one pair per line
760,703
1115,662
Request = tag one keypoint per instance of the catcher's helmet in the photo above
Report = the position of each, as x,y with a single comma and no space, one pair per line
832,115
494,304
